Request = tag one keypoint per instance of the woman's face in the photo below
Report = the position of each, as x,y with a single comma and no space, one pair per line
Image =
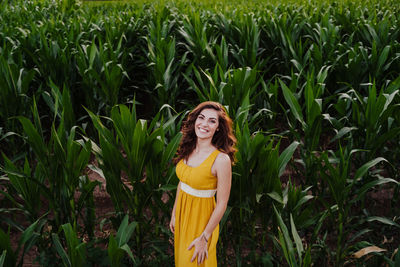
206,123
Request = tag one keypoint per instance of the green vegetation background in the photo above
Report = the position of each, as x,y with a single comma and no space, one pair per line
102,87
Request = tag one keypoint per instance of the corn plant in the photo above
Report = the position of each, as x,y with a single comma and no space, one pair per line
323,74
371,118
8,256
234,88
60,104
159,169
325,35
163,61
57,173
243,38
309,115
129,147
293,257
346,190
101,67
198,39
75,256
285,34
30,236
15,94
118,245
256,173
53,59
377,112
291,201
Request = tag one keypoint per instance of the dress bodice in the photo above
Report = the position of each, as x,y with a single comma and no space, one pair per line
199,177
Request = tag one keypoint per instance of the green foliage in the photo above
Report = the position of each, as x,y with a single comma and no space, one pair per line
8,257
143,148
75,255
28,239
293,257
117,246
346,191
57,174
312,88
3,258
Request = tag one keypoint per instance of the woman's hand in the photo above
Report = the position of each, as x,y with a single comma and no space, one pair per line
172,224
200,249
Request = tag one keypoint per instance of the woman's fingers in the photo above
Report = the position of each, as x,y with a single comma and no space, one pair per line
200,251
193,257
201,257
191,245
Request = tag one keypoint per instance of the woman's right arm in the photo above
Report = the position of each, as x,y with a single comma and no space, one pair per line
172,222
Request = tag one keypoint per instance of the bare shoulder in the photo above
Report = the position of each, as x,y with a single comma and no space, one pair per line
222,160
223,167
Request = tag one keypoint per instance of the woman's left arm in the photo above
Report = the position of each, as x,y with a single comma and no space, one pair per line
223,169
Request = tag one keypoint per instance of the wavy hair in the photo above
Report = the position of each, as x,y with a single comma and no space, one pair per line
224,139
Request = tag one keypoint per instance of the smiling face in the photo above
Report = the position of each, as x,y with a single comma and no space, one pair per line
206,123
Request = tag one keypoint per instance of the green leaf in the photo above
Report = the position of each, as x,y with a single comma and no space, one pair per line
286,156
382,220
29,233
167,187
292,102
34,138
171,149
127,249
125,231
60,250
5,245
364,168
296,237
3,258
342,132
368,186
275,196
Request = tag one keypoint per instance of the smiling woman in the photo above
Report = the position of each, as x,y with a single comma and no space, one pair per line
204,160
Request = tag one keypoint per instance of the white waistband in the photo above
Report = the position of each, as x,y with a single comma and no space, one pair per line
197,193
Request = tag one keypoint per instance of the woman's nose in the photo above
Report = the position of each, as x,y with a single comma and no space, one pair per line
204,123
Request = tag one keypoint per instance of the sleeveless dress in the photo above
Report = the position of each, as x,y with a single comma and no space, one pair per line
193,213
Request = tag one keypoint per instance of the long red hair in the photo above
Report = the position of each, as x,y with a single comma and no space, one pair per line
224,139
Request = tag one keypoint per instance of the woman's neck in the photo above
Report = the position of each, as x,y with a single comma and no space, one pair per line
203,145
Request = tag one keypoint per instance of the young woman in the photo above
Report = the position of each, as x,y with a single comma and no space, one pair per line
203,166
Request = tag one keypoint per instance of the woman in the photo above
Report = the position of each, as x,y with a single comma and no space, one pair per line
204,160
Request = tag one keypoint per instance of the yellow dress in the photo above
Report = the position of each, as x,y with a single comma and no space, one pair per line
193,213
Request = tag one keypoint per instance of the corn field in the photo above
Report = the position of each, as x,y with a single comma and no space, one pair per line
100,89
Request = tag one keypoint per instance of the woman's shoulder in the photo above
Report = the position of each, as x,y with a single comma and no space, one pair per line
222,159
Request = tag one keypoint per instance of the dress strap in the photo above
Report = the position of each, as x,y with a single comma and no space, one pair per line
213,156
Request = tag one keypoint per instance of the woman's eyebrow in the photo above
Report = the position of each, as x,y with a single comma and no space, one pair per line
209,118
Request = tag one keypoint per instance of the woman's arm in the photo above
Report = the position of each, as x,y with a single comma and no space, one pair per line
172,222
223,168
